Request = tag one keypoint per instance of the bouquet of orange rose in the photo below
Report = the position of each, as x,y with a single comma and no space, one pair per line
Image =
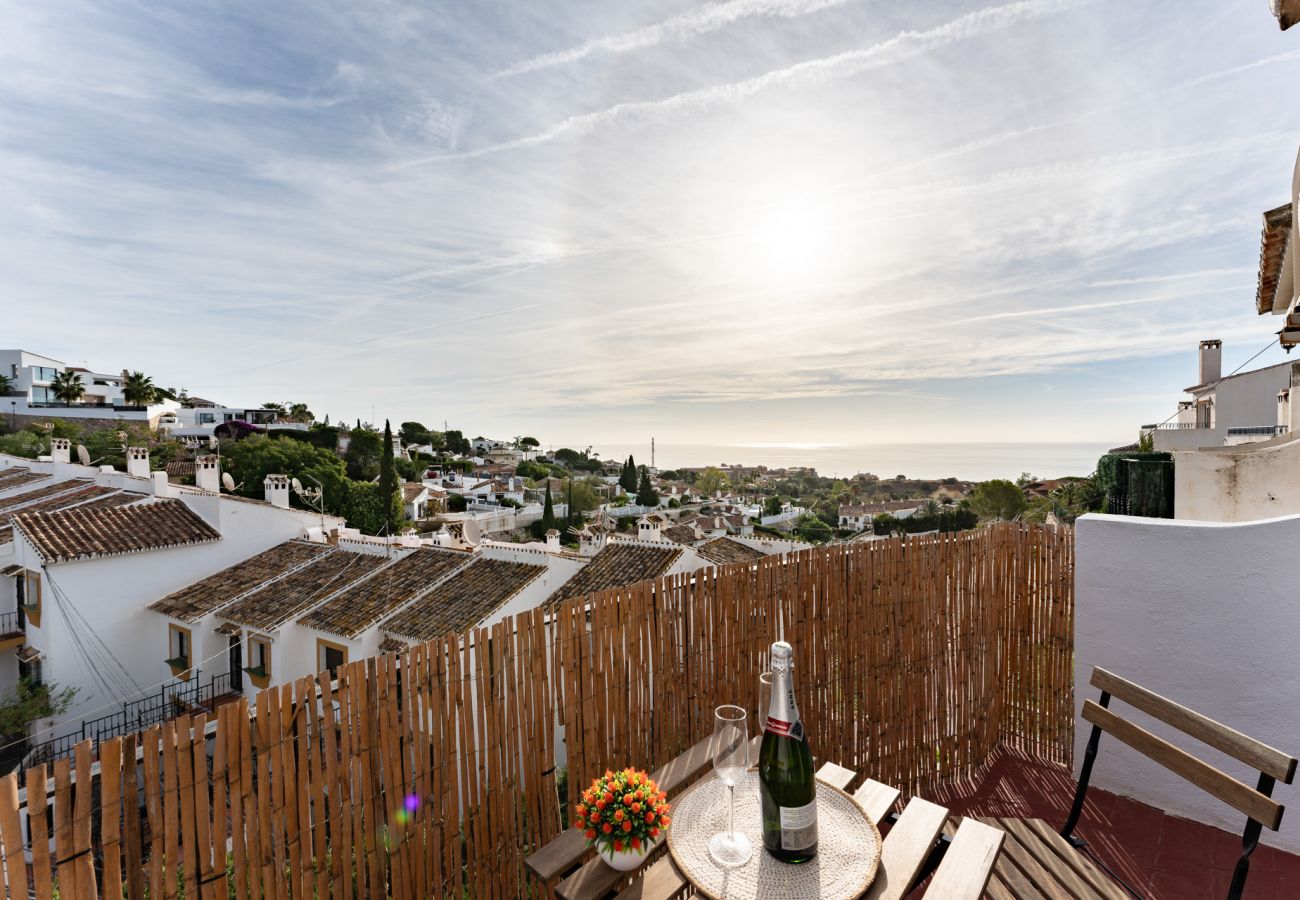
622,811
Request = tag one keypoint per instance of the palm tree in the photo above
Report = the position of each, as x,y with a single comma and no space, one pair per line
298,412
137,389
68,387
6,385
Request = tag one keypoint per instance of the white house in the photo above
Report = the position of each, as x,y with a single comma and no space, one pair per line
31,393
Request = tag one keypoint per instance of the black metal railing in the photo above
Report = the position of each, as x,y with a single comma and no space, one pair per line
135,716
11,623
1257,430
86,404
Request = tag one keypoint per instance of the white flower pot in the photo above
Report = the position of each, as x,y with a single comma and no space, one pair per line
627,860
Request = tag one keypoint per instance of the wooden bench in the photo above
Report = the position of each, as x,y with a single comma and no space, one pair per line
912,847
1038,862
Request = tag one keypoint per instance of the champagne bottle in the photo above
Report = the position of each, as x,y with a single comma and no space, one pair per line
787,783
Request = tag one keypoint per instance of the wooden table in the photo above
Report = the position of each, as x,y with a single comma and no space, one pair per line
922,830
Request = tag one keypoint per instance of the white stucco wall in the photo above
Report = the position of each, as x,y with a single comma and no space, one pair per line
1206,615
1239,484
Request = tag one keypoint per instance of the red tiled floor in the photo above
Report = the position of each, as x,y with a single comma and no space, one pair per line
1162,856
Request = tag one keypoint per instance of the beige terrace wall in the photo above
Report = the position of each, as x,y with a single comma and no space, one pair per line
1239,484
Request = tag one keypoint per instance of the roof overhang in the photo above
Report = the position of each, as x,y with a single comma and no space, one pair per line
1287,12
1276,285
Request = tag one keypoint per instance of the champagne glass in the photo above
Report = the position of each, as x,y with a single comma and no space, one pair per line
730,848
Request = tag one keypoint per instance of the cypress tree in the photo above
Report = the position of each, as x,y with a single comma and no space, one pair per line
548,511
389,491
628,479
646,495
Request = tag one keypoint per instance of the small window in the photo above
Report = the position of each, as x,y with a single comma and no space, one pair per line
329,656
30,597
179,651
259,661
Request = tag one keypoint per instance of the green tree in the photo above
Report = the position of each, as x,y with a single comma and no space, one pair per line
710,481
998,499
456,442
812,529
138,389
299,412
646,495
6,385
365,450
277,408
627,478
31,702
528,443
68,387
414,433
390,491
1026,478
548,510
772,505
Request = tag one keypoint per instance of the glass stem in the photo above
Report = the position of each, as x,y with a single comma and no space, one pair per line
731,810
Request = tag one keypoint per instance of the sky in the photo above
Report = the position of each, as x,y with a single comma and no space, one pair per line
739,221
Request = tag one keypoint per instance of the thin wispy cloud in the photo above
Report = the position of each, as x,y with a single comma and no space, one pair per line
852,218
904,45
693,23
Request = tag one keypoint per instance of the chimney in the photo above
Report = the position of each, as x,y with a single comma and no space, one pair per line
207,474
648,528
553,541
277,490
1211,361
137,462
161,486
61,450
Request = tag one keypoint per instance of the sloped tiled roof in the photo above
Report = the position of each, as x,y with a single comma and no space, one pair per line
82,495
1274,241
80,533
269,607
463,600
410,491
364,604
19,476
725,551
617,565
14,501
194,601
680,534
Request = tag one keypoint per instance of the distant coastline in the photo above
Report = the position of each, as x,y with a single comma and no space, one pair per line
969,462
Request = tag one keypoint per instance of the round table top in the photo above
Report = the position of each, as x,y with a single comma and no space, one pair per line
848,846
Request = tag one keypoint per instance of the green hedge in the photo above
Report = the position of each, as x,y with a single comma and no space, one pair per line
1137,484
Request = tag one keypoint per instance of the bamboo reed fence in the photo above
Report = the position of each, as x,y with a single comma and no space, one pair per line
433,772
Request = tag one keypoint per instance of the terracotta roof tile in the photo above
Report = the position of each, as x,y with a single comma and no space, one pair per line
362,605
617,565
463,600
1273,241
19,476
725,551
680,534
410,491
269,607
79,533
194,601
15,501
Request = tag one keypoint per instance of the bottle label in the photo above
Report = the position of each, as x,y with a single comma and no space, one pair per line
798,826
785,729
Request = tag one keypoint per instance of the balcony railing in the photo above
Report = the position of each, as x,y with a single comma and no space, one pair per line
86,404
1177,426
1257,430
11,624
136,716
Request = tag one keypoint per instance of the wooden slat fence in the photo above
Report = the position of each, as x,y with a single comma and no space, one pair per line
434,772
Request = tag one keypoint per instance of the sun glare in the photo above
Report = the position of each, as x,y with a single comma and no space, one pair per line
787,243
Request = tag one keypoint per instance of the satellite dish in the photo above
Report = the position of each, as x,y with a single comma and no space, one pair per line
228,481
472,533
297,486
83,455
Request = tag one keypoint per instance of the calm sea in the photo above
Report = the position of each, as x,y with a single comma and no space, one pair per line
973,462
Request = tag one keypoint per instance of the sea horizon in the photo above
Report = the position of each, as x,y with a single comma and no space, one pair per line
975,461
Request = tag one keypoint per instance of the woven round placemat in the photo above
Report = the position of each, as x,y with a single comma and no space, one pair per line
848,846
